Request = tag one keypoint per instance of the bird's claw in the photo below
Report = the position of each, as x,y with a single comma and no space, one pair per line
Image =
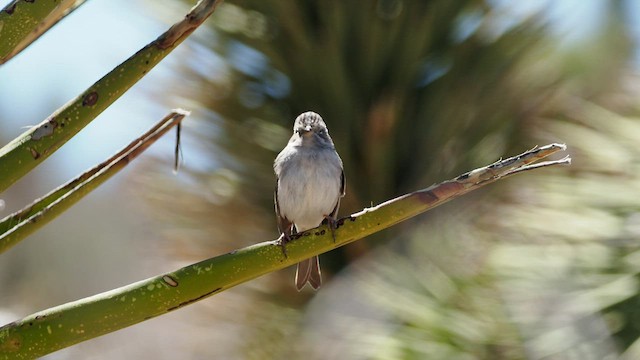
333,225
282,242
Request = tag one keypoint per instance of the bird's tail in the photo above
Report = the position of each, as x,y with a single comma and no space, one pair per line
309,272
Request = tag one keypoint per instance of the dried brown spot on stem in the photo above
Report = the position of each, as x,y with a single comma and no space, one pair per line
34,153
90,99
10,9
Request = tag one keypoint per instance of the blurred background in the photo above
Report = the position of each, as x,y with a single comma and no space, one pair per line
540,266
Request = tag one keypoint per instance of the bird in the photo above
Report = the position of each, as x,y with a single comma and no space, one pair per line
310,182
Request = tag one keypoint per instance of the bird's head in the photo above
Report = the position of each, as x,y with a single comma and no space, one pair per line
311,129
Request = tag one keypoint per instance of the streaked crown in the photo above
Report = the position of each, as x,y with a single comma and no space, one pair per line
309,121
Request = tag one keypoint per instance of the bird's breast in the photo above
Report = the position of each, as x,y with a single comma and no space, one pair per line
309,186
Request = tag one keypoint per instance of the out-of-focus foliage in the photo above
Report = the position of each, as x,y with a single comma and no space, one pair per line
413,92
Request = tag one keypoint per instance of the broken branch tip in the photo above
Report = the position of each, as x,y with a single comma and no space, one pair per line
181,111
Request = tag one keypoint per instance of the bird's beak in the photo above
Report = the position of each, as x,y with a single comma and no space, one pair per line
304,131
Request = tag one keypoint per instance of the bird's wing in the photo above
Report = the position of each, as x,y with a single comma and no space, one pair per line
343,187
284,225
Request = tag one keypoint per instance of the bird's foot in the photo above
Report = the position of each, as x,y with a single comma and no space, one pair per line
332,224
282,242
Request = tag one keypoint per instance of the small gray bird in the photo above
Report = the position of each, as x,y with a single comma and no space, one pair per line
310,183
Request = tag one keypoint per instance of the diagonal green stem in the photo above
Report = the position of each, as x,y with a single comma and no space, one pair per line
29,149
53,329
22,22
21,224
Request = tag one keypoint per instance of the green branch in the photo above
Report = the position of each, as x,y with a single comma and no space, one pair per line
22,22
68,324
21,224
29,149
